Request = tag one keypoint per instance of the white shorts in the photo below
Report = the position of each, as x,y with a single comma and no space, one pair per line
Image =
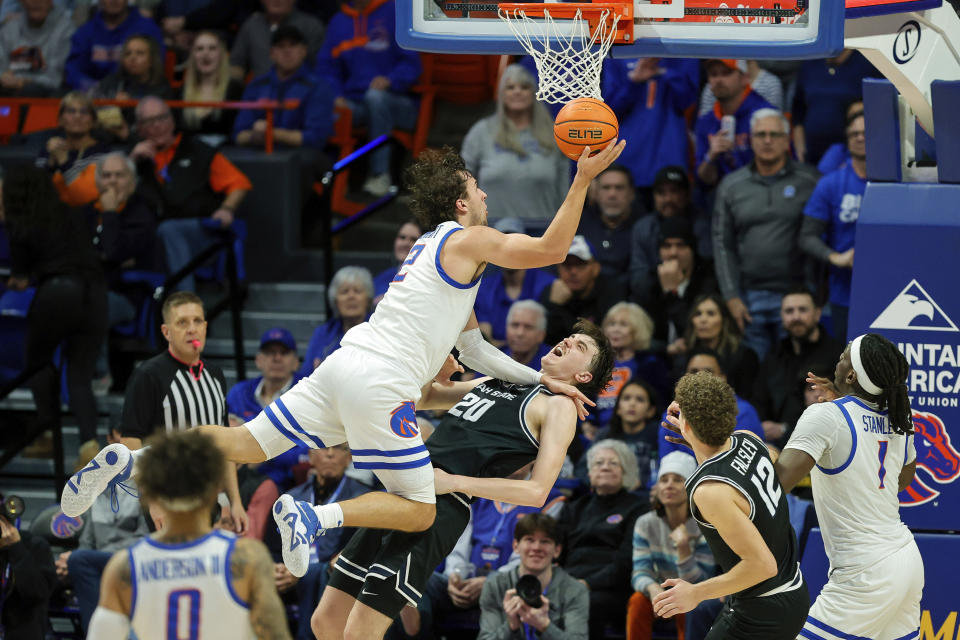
357,398
881,602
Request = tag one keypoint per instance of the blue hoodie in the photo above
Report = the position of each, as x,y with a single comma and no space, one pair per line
361,45
709,123
95,49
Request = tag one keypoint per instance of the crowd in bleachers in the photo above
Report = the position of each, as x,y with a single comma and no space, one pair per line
721,241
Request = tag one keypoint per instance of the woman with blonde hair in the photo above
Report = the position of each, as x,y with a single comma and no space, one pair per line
206,78
513,155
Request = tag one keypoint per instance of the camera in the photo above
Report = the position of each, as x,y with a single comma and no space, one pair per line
529,588
12,507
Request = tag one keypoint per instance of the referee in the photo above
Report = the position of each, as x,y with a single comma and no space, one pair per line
176,390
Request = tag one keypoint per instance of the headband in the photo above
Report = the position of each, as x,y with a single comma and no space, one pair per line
862,376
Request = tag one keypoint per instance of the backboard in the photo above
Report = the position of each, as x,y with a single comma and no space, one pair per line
668,28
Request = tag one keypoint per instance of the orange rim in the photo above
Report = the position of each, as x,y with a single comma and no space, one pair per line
592,12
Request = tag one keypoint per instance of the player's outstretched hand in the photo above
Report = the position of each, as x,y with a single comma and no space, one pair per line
680,596
565,389
590,168
672,423
826,390
444,482
450,367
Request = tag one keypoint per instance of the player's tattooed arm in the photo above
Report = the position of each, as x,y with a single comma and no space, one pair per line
117,584
251,567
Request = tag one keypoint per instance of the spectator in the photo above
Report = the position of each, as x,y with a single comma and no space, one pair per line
597,529
681,277
513,155
351,300
251,49
407,235
501,289
578,292
824,89
629,329
28,579
607,225
33,49
711,326
838,154
47,245
832,213
277,362
704,359
95,48
564,604
526,329
206,78
667,543
650,96
756,221
370,74
139,74
635,422
184,181
328,484
721,152
204,15
764,84
311,123
176,390
778,395
106,532
671,199
72,152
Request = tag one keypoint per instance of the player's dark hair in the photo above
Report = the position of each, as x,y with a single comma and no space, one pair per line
180,467
708,405
436,181
616,423
888,369
601,366
532,522
177,299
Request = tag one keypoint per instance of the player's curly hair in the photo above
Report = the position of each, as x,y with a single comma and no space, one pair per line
708,405
436,181
601,366
888,369
181,471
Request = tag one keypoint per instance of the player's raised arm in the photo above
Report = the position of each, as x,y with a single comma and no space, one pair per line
111,619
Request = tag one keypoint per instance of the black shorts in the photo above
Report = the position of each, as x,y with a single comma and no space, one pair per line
777,617
387,570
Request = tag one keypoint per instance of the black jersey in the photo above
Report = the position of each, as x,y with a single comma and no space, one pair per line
746,466
486,434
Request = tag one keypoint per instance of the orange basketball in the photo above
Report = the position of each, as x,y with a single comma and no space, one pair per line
584,122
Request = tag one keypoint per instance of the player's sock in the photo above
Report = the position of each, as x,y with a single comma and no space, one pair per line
330,515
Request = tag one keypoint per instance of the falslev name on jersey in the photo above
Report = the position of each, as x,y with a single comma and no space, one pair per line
179,568
745,455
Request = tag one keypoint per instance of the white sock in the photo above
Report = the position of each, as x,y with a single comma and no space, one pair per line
330,515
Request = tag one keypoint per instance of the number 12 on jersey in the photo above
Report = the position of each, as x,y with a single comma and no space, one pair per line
765,480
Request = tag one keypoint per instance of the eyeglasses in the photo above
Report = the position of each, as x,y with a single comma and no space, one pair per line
152,120
773,135
856,134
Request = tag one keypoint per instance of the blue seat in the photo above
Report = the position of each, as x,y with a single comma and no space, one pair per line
144,325
13,330
218,270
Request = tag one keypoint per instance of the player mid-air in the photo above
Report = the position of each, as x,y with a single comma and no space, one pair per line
365,392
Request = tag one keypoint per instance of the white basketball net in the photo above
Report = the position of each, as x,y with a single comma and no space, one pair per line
568,65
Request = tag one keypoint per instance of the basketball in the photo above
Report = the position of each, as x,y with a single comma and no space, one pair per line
584,122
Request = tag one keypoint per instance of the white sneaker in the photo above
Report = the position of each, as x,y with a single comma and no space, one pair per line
108,468
299,527
378,185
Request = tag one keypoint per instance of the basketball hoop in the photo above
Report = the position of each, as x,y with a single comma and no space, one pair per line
569,57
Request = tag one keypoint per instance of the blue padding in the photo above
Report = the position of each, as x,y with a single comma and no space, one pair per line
882,124
946,106
896,7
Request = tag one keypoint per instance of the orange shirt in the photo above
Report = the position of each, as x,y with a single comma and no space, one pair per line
224,175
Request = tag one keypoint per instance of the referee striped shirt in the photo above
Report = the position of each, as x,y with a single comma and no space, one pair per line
164,393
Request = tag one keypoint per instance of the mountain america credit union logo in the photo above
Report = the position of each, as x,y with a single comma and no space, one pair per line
914,310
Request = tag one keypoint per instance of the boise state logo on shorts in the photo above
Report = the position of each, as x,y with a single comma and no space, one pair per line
403,420
63,526
936,457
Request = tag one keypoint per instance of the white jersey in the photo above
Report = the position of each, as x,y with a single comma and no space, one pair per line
859,457
423,312
184,590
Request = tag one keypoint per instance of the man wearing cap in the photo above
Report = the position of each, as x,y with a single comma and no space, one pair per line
251,50
310,124
578,292
680,277
721,151
278,362
671,198
607,225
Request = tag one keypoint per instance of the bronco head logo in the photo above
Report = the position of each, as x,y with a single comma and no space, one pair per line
63,526
935,455
403,420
